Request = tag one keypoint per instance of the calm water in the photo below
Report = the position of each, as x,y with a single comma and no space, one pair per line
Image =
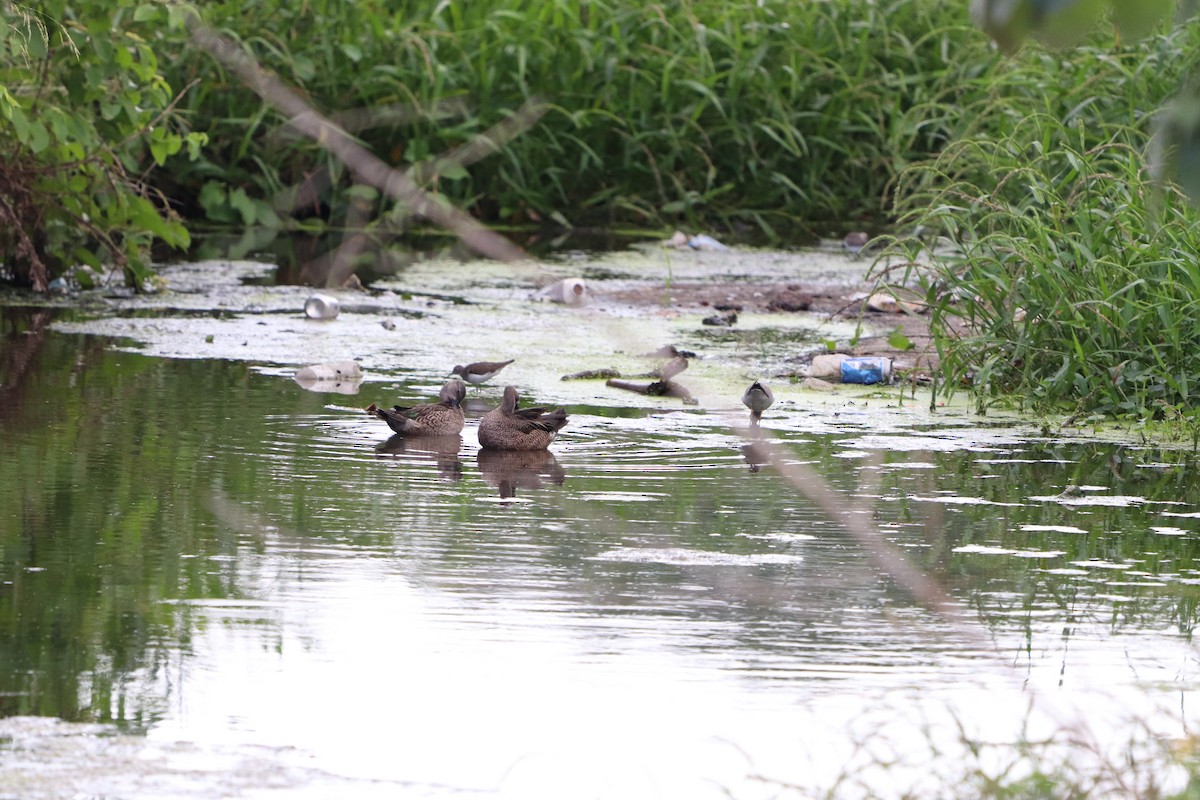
214,583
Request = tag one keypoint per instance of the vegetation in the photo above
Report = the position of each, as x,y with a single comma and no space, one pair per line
1071,283
749,116
84,113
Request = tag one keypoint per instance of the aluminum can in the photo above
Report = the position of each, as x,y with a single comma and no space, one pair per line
321,306
867,369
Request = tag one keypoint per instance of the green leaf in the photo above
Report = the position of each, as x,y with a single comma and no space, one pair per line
452,171
39,137
244,205
164,145
195,141
20,122
87,256
214,199
303,68
899,341
147,12
7,103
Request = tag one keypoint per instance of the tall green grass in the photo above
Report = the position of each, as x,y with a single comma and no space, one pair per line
760,116
1075,282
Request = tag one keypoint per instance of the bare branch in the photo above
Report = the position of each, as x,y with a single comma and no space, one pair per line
369,169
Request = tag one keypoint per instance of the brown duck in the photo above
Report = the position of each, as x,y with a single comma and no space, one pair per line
443,418
509,428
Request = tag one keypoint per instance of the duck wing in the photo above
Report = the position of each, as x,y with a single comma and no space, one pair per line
540,419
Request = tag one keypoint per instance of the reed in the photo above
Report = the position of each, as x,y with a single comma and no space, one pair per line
1074,284
758,117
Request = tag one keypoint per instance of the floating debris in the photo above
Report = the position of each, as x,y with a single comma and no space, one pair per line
592,374
342,377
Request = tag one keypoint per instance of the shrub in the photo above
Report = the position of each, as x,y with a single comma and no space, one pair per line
85,113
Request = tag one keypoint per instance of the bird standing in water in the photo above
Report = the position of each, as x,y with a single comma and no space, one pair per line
480,371
443,418
758,398
508,428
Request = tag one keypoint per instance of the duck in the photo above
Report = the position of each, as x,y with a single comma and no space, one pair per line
480,371
508,428
443,418
758,398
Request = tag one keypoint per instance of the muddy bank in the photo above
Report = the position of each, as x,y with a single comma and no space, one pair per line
846,304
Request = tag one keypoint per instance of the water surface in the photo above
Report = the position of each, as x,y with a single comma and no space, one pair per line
214,583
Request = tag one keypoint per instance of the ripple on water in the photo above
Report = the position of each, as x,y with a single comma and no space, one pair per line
695,557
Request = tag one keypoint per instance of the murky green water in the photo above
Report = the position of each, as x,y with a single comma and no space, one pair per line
223,585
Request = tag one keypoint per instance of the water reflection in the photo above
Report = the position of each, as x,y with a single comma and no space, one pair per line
754,456
442,450
193,580
510,470
478,406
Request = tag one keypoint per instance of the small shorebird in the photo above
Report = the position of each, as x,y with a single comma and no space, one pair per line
758,398
480,371
508,428
442,418
855,241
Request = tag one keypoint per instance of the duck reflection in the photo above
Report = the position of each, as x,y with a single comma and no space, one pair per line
755,457
443,450
509,470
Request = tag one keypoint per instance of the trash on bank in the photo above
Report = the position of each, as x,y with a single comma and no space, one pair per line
701,241
321,306
847,369
569,291
868,369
